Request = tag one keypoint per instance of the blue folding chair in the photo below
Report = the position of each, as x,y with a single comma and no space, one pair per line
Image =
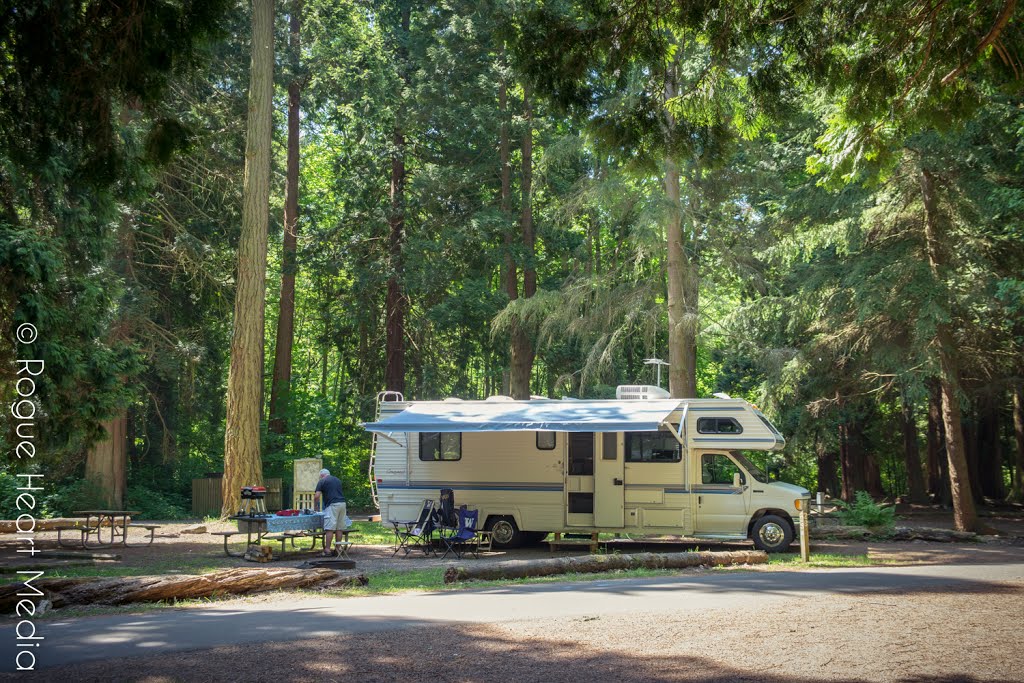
465,537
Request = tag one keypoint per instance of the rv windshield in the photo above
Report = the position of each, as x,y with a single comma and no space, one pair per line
750,467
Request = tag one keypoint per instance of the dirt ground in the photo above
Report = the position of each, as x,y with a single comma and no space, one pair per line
928,636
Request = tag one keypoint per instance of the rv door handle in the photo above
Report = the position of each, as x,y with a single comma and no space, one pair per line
617,482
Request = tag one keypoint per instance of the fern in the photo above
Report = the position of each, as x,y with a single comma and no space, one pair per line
864,511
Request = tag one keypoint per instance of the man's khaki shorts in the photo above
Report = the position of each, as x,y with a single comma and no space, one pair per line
334,517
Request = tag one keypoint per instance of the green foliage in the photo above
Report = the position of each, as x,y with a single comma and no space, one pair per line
153,504
864,511
9,497
64,497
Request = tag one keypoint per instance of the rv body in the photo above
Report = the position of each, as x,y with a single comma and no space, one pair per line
686,477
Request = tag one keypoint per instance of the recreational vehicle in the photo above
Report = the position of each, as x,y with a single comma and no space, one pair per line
641,464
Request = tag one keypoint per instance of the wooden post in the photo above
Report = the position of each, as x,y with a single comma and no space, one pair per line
805,536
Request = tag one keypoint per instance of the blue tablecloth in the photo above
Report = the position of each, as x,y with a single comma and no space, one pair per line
277,523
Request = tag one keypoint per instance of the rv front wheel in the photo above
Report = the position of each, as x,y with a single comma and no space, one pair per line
505,533
772,534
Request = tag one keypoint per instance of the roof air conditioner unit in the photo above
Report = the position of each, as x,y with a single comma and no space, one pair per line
640,392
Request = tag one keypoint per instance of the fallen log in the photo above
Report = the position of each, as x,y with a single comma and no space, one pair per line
855,533
517,569
131,589
900,533
905,533
10,526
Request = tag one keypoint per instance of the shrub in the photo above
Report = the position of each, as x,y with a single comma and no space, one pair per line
153,504
73,494
864,511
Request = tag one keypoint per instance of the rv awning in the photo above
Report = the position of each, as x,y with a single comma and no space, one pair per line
517,416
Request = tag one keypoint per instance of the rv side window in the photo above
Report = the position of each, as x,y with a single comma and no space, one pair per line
440,446
545,441
652,447
719,469
718,425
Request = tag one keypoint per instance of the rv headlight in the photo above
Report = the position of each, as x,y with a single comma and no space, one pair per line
797,503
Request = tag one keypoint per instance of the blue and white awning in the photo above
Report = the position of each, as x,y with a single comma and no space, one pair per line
532,416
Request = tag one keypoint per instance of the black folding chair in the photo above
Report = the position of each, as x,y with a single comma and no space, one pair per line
465,537
449,516
416,533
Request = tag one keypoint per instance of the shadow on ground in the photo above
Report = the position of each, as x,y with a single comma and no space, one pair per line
433,653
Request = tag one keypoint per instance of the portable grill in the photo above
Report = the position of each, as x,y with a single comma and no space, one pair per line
253,503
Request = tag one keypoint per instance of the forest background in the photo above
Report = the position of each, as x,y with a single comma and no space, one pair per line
816,207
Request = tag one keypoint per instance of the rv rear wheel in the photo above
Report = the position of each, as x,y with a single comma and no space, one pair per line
505,533
772,534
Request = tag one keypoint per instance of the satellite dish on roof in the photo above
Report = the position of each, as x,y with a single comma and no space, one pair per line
721,395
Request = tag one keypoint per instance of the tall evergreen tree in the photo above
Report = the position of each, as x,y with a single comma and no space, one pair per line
242,455
285,338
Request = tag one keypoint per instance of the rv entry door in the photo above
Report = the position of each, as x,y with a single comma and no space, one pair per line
609,496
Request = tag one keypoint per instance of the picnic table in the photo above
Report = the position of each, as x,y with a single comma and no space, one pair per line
290,527
93,523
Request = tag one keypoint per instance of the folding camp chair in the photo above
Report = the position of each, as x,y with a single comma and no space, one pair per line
416,533
449,516
465,537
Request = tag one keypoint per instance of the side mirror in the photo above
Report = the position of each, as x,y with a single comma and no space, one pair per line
736,479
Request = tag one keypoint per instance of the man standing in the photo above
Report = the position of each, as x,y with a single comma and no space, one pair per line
328,489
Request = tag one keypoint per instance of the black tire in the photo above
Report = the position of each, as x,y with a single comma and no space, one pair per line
772,534
504,532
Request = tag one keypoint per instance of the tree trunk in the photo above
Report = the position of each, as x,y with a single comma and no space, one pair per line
851,454
517,569
132,589
965,516
969,423
510,277
242,465
681,275
394,304
280,387
522,345
912,455
938,475
989,446
1018,433
828,459
105,463
860,469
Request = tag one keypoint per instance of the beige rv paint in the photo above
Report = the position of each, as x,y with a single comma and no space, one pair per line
505,474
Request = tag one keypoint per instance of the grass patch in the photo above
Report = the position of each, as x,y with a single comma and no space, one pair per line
373,533
818,560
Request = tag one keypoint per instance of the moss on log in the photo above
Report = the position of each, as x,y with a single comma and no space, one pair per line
131,589
517,569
